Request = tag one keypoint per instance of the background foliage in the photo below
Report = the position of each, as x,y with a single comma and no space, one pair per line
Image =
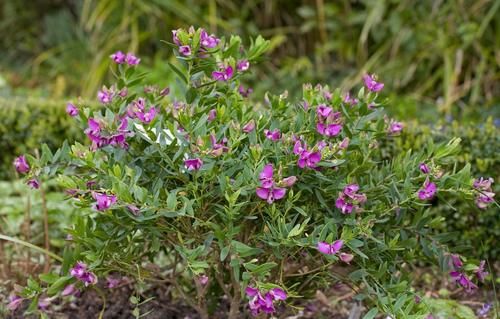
434,55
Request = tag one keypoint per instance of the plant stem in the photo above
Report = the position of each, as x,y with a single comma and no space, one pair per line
45,228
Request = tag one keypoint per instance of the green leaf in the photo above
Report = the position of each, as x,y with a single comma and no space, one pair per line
371,314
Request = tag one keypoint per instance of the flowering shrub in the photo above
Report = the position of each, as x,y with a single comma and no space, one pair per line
263,203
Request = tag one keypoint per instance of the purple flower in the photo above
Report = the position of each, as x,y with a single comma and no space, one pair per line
133,209
349,199
89,278
69,290
185,50
324,111
329,130
258,303
428,191
371,84
424,168
483,184
484,310
273,135
112,282
71,109
218,148
203,279
44,303
330,249
21,165
223,74
132,59
33,183
249,127
14,302
480,272
271,194
208,41
350,100
193,164
288,181
266,176
395,127
243,65
344,144
147,117
456,261
344,206
306,158
123,92
165,91
174,36
80,272
105,96
212,114
463,280
118,57
244,92
347,258
103,201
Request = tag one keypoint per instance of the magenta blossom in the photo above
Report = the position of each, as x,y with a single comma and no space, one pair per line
324,111
268,189
395,127
243,65
345,257
218,147
288,181
80,272
330,249
486,194
118,57
463,280
14,302
175,38
350,100
223,74
132,59
33,183
456,261
203,279
329,130
271,194
344,144
260,302
212,114
266,176
349,199
428,190
480,272
71,109
193,164
208,41
273,135
249,127
244,92
105,95
307,158
112,282
185,50
371,84
424,168
103,201
69,290
44,303
21,164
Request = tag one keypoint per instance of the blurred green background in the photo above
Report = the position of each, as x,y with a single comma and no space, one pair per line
440,61
437,58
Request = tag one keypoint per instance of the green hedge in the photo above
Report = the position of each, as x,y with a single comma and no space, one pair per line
25,124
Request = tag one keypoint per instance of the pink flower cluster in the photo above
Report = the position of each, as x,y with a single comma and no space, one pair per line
99,138
269,190
120,58
260,302
427,191
307,157
80,272
486,194
349,199
329,122
333,248
103,201
138,110
459,276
